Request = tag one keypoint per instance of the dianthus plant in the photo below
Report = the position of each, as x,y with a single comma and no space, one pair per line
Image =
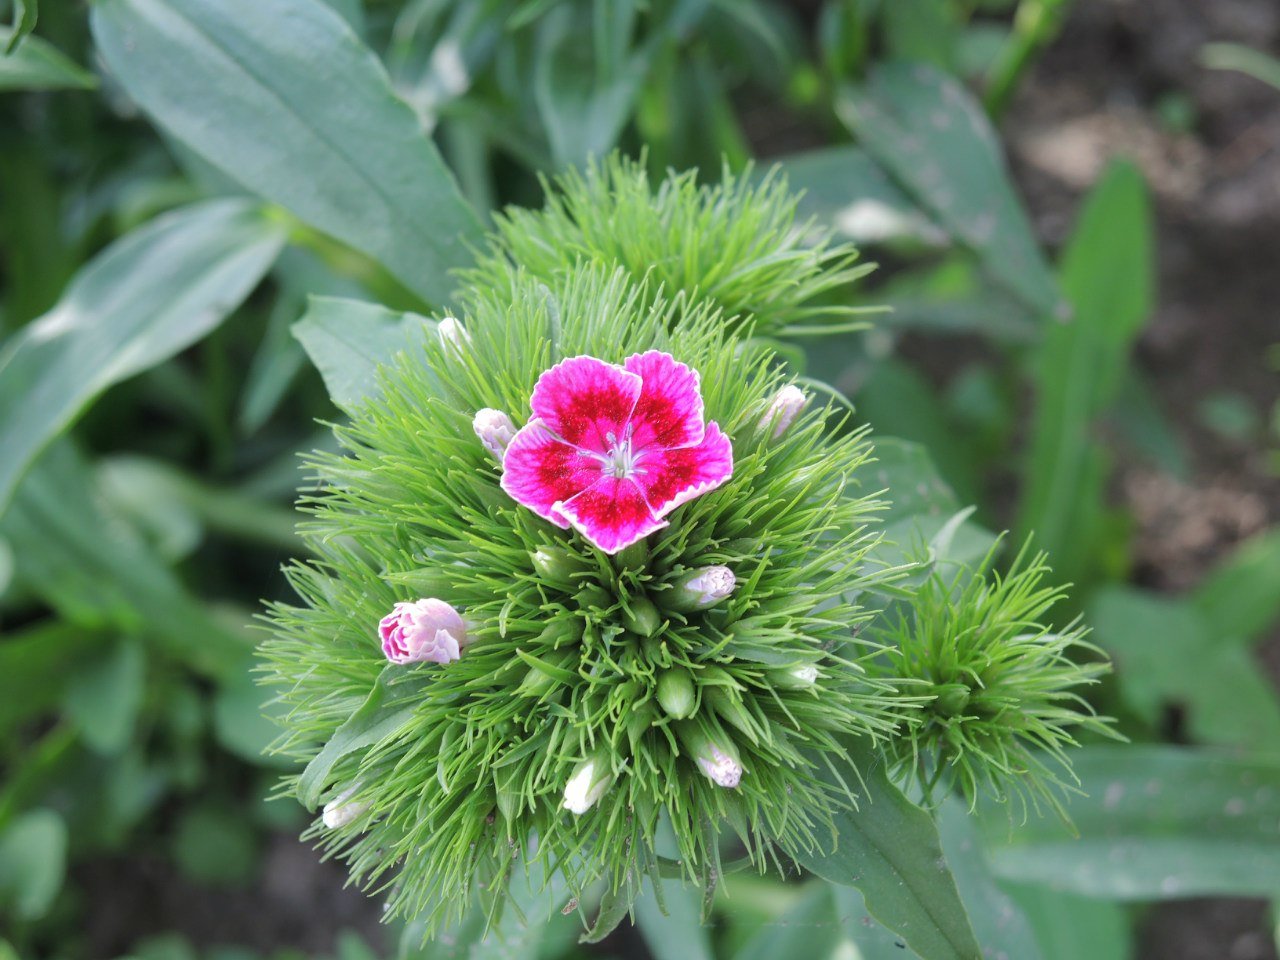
582,572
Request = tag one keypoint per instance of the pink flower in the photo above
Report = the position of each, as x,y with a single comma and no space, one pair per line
611,450
427,629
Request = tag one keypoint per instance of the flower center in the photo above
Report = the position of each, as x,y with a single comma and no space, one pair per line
622,462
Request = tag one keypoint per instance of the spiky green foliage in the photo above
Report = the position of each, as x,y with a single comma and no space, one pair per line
1002,689
736,245
464,772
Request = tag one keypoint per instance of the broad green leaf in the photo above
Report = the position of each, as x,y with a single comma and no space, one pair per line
672,924
32,662
105,695
242,723
921,31
844,189
1107,275
809,929
25,13
1167,654
1241,597
348,340
36,65
873,941
380,715
98,573
33,859
1071,927
282,95
216,845
1002,929
935,142
889,849
1156,823
146,297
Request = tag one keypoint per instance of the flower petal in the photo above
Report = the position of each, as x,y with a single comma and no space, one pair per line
672,477
539,471
612,514
582,400
669,411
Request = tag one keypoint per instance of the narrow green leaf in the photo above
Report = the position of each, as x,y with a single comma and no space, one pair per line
1241,597
1235,56
375,719
283,96
36,65
25,14
348,340
934,140
33,860
1156,822
1107,275
146,297
32,661
890,850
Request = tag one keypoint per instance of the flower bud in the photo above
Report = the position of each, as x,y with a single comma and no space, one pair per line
701,588
453,334
427,629
587,785
641,617
495,430
556,565
675,693
715,756
801,677
783,409
342,810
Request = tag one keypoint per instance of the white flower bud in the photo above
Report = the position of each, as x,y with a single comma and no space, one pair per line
783,409
495,430
723,769
585,787
453,334
702,588
805,676
341,811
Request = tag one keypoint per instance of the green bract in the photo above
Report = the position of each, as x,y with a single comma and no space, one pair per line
456,773
736,245
1001,685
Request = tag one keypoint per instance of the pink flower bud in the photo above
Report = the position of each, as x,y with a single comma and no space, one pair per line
453,334
783,409
723,769
427,629
495,430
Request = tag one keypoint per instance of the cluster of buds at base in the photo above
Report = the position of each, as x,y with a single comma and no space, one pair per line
495,430
700,589
342,809
715,756
587,785
783,409
425,630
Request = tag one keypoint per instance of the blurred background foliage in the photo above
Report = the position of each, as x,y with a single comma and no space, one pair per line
177,177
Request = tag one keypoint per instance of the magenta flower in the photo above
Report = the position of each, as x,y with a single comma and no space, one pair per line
611,450
427,629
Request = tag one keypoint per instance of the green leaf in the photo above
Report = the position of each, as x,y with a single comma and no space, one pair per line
216,845
36,65
348,340
809,930
1167,654
671,925
1002,929
33,860
242,723
104,697
146,297
1157,822
282,95
1235,56
1070,927
98,573
845,190
25,13
1107,275
1239,598
32,662
889,849
935,142
375,719
874,942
